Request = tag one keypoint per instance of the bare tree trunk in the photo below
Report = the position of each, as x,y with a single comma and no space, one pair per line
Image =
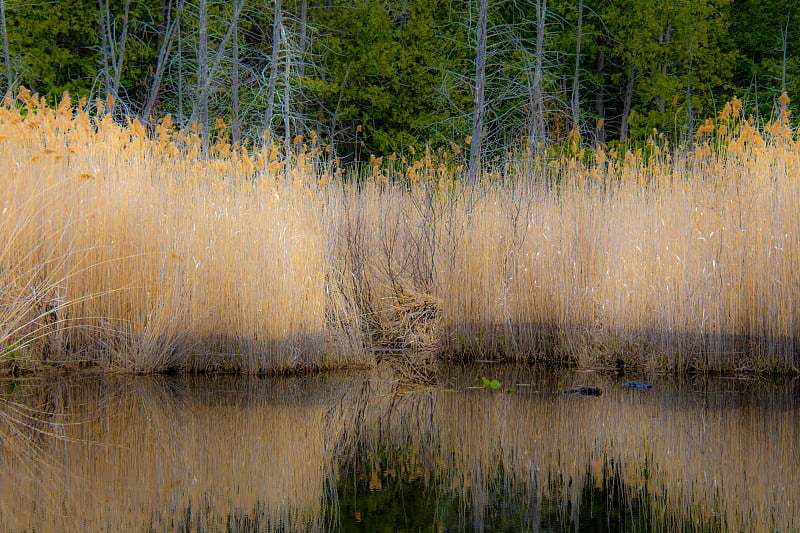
529,78
236,125
576,98
600,103
480,83
121,52
273,68
104,44
784,46
301,66
109,51
784,105
689,108
287,134
537,118
202,72
180,64
626,110
161,64
163,25
206,88
7,56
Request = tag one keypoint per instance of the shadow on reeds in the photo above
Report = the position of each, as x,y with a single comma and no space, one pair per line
592,346
360,451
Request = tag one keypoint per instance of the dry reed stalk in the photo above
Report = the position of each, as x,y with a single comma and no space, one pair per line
670,268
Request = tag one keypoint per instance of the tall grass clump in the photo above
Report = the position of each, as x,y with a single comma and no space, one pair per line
131,251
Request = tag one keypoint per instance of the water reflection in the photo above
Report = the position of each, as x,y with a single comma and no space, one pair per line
362,452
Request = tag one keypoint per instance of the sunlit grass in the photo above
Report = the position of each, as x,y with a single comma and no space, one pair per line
132,251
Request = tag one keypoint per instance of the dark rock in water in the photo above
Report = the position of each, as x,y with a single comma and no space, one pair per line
585,391
637,385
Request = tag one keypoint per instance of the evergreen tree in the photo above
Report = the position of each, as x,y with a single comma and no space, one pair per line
54,46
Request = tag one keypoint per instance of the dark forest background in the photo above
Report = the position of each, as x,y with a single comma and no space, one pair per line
383,76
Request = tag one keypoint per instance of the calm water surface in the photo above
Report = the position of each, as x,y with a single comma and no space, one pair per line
365,452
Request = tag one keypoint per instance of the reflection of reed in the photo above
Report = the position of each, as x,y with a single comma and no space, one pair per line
175,453
720,451
265,454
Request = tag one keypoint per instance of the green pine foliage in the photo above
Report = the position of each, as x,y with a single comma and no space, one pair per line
54,46
387,62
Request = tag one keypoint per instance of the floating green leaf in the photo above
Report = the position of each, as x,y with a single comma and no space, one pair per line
494,384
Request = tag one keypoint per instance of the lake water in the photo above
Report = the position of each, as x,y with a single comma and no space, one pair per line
362,451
